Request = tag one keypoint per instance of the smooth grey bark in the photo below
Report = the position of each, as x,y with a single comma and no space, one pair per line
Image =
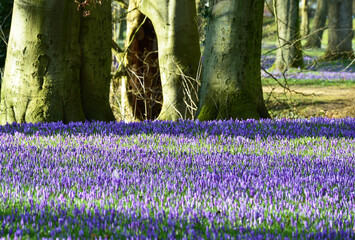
340,33
315,37
289,52
43,78
231,82
178,54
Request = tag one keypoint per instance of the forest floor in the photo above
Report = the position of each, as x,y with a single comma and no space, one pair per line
305,101
325,89
321,89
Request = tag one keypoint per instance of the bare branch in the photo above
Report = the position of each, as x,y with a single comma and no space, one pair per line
122,3
2,34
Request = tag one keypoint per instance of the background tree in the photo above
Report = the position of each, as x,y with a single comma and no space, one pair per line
304,28
167,31
58,64
340,30
315,37
270,6
231,85
119,21
289,52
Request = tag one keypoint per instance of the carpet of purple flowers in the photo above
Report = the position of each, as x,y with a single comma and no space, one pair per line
268,179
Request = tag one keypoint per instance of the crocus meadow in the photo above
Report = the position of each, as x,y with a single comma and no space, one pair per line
267,179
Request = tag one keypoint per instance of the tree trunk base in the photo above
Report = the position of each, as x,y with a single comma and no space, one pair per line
312,43
330,56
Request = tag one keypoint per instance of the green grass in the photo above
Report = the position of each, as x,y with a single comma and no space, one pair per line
309,82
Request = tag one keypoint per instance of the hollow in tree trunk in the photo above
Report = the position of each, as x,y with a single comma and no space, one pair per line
141,91
178,55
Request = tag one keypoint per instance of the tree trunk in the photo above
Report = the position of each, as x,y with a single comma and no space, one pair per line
305,18
178,54
96,56
340,30
231,83
44,62
289,52
315,38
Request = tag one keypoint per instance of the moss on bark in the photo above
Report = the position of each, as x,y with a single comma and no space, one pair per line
42,67
42,71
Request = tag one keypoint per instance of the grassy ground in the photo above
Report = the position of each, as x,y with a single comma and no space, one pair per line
315,96
305,101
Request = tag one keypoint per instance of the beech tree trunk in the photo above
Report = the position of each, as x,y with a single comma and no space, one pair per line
315,38
57,66
178,49
340,30
305,18
231,82
95,72
289,52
